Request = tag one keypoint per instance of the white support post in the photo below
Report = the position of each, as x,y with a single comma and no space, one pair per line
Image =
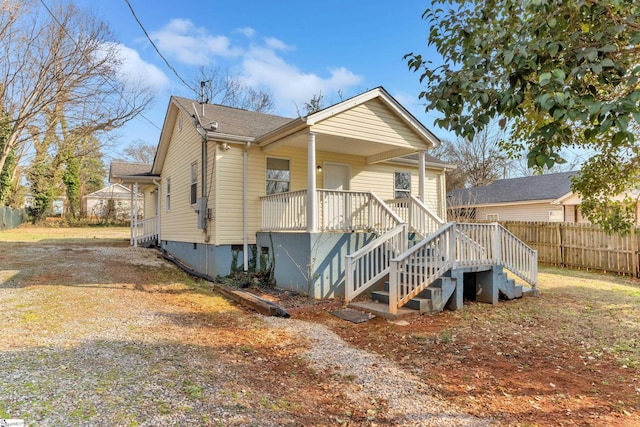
421,177
495,244
130,216
312,200
134,213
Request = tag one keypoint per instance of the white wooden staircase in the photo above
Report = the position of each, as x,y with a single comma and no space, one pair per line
428,273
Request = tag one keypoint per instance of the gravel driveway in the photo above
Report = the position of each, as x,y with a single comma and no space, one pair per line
99,333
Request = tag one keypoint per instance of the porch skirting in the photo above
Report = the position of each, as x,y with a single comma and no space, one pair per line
320,256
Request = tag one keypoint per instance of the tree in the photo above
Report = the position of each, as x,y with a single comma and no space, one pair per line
140,152
6,177
224,88
479,161
556,73
60,64
315,104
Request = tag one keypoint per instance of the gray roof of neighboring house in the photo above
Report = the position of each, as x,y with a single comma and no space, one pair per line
120,169
235,121
527,188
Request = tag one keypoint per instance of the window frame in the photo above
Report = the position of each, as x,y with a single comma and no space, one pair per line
397,190
167,205
492,215
276,180
193,185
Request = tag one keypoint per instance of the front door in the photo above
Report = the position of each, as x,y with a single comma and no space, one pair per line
336,204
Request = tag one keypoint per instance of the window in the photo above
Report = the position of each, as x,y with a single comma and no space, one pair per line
168,194
402,185
492,217
194,183
278,175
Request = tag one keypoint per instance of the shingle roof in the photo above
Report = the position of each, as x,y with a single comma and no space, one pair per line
120,169
235,121
528,188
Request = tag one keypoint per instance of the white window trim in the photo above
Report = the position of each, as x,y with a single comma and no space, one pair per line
266,168
167,197
193,180
394,183
497,217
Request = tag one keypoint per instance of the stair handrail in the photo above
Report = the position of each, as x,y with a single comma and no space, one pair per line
417,209
415,269
516,256
387,212
370,264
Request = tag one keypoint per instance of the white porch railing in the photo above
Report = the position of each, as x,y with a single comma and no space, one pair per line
337,211
453,245
145,230
419,217
284,211
371,263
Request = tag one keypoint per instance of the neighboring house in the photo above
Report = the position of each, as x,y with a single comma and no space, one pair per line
57,205
530,198
330,197
115,201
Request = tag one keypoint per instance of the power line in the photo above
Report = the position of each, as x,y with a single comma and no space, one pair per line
156,47
55,18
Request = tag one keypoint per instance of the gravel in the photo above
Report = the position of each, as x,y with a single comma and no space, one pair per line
80,346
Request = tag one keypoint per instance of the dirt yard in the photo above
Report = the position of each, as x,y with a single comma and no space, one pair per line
97,333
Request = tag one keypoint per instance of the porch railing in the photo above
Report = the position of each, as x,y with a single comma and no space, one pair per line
145,230
419,217
284,211
337,211
371,263
453,245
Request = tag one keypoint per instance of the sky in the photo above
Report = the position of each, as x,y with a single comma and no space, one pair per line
292,49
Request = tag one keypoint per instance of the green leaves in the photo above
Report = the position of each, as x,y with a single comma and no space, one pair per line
567,72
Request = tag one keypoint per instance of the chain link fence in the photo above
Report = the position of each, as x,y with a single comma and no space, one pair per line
10,218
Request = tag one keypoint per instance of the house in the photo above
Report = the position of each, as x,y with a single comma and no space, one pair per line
115,201
328,201
58,204
529,198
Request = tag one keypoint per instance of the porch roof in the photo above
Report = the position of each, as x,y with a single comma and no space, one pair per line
129,173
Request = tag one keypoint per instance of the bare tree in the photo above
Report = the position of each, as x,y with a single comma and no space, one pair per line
59,72
222,87
479,161
315,104
140,152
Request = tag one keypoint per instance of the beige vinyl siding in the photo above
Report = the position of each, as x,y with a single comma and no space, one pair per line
180,222
519,212
378,178
371,121
149,202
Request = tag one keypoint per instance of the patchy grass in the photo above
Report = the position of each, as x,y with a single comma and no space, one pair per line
28,233
568,357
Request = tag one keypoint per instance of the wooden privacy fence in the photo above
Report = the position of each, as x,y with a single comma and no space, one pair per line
10,218
583,246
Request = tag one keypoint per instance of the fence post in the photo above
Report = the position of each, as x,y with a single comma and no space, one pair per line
634,251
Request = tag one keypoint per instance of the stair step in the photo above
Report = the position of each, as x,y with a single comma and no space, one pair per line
421,304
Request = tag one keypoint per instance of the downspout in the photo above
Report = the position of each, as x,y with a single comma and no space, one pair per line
245,207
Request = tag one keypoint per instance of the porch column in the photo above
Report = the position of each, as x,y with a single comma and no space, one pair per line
131,240
421,176
312,211
134,213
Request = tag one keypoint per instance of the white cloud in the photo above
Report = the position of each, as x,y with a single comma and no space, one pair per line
136,71
248,32
262,67
191,45
275,44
